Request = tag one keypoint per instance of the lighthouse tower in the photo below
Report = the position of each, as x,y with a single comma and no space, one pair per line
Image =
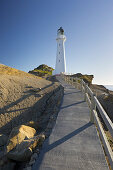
60,66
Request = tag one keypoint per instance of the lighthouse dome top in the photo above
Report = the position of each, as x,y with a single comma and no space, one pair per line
60,31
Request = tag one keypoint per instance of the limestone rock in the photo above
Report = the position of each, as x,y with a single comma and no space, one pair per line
18,134
3,139
20,155
23,151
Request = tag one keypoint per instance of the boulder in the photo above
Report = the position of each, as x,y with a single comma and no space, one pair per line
24,150
18,134
23,155
3,139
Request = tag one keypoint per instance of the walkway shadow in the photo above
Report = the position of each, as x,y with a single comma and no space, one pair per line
27,93
48,86
70,135
47,147
72,92
71,88
72,104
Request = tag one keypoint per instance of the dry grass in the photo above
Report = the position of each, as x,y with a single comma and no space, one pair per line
5,70
17,94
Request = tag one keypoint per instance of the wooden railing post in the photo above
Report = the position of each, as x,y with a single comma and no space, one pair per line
72,81
85,90
65,78
93,107
76,82
69,79
82,86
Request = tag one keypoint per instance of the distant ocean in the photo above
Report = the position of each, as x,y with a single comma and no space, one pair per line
109,87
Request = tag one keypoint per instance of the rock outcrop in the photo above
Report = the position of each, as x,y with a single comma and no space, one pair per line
17,136
42,70
22,142
24,150
87,78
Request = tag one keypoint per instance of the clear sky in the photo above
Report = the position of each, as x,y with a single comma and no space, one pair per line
28,31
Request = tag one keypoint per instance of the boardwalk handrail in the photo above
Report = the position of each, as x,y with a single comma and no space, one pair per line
94,105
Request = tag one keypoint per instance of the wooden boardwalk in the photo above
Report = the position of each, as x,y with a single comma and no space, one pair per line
74,143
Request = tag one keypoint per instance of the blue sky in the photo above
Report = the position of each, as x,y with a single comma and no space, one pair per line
28,35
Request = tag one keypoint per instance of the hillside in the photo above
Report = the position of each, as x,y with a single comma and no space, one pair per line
5,70
19,93
42,71
25,99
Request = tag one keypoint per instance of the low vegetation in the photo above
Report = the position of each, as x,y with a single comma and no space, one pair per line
42,71
87,78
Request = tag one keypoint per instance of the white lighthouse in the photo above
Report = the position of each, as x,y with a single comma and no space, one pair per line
60,66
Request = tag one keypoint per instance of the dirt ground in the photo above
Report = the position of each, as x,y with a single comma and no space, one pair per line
19,92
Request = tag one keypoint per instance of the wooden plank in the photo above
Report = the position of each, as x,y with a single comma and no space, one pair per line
104,115
104,139
83,89
83,82
90,91
88,100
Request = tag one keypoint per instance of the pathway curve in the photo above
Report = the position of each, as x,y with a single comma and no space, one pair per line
74,143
